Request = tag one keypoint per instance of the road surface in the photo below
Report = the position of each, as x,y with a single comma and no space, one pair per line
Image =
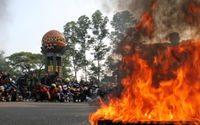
32,113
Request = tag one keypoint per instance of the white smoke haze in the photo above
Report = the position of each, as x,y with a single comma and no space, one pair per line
137,7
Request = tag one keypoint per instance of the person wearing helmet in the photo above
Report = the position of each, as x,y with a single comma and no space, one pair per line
67,80
54,94
53,85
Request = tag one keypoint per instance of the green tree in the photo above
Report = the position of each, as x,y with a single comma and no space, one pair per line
66,65
94,74
71,33
100,32
3,65
113,67
39,61
26,62
21,61
84,40
121,23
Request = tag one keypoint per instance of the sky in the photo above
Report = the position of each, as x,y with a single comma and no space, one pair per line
24,22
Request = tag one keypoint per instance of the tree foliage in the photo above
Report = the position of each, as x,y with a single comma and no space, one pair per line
26,62
3,65
121,23
66,65
87,48
100,32
71,35
85,41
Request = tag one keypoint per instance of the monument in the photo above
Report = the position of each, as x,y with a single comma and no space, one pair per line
53,47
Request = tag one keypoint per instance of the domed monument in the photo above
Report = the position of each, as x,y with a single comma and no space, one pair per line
53,47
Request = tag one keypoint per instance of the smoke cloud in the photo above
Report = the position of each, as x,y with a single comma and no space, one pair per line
170,15
135,6
168,23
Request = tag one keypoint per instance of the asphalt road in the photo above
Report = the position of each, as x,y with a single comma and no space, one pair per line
31,113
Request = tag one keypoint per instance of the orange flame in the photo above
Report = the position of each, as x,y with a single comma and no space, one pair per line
166,90
177,99
193,14
146,24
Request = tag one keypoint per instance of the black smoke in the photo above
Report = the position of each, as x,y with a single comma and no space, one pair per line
174,21
169,15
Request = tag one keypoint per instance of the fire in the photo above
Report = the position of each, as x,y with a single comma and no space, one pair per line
146,24
193,14
168,89
177,99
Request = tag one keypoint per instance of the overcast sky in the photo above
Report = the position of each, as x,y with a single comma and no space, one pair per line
24,22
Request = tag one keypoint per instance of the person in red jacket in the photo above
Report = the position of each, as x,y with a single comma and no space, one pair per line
54,94
41,93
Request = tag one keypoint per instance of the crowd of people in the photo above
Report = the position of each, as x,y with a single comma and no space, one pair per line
49,88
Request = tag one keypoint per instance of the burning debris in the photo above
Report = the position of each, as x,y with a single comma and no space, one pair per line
162,76
107,122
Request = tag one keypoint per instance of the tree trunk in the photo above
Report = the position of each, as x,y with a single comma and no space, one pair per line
85,67
99,71
75,74
39,71
75,70
85,70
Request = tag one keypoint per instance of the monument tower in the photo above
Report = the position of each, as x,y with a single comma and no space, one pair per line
53,47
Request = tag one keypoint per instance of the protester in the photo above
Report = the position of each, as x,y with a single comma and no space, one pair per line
54,94
40,92
2,94
67,93
46,80
33,81
61,94
22,83
49,88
